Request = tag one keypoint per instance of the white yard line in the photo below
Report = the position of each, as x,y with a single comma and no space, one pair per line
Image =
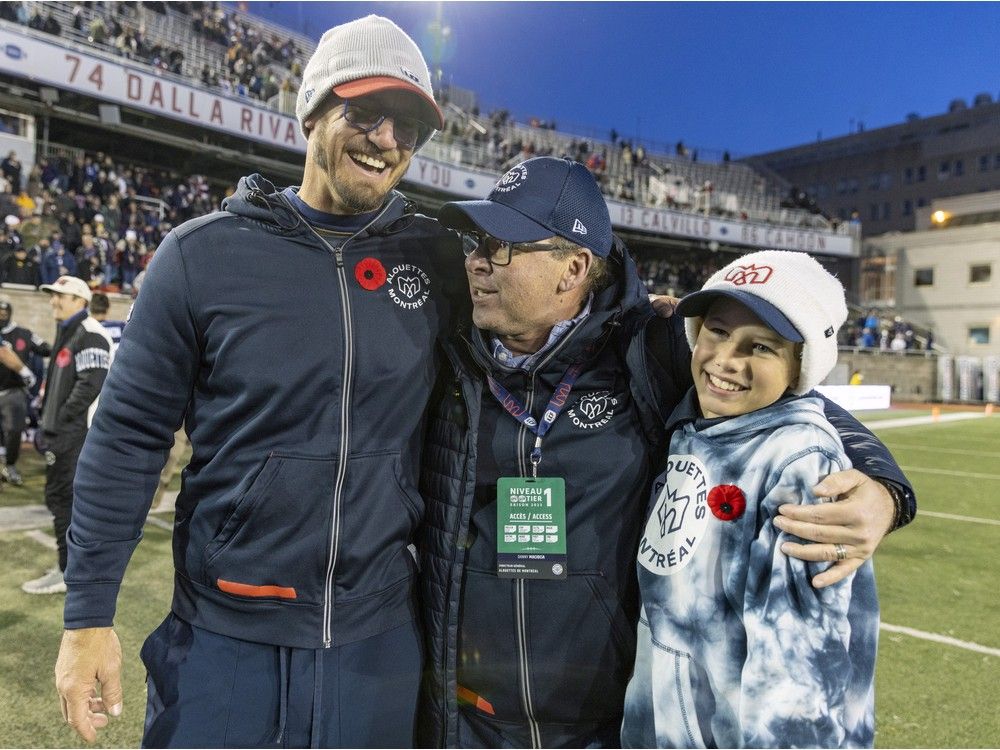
159,523
950,472
945,639
42,538
881,424
953,517
956,451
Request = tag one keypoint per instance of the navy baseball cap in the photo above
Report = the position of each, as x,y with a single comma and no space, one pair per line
535,200
696,304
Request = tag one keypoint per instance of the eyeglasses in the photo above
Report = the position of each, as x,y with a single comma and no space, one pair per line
498,252
409,133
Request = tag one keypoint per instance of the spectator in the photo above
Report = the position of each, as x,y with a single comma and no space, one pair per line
18,268
11,168
72,385
57,262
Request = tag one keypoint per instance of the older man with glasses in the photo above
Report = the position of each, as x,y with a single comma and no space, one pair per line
544,435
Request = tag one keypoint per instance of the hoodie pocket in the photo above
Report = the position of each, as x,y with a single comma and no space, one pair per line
275,542
581,649
379,514
675,711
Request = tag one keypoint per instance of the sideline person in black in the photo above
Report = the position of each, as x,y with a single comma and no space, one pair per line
73,380
15,386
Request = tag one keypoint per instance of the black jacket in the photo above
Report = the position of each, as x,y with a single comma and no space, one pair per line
551,658
302,383
545,663
76,372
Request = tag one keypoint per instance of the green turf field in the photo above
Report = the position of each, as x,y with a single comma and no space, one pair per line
934,577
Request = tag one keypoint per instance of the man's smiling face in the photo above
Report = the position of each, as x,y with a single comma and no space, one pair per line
353,171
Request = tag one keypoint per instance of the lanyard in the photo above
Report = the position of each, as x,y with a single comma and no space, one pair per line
554,408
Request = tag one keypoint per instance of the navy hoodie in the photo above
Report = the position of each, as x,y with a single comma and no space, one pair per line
300,366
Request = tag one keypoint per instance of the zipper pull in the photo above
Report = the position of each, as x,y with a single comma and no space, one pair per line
339,255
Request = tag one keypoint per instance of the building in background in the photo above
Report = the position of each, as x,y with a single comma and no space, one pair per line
943,276
884,177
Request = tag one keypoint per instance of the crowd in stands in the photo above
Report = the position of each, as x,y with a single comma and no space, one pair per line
250,62
242,58
872,331
90,217
679,274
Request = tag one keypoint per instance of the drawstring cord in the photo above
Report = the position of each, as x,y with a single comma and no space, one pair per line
283,687
316,732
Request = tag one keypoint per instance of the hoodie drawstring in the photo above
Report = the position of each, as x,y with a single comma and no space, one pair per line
316,732
283,687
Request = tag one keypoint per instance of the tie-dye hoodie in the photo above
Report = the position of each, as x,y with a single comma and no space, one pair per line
735,646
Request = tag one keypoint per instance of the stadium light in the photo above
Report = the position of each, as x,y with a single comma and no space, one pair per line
940,217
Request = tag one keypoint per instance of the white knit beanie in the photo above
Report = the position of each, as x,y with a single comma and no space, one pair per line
361,57
791,293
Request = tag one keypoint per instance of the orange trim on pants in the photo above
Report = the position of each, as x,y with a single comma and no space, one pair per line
467,696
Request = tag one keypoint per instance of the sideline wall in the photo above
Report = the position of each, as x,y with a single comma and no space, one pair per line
32,309
913,377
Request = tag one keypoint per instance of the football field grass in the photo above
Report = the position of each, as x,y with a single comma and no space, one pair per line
939,651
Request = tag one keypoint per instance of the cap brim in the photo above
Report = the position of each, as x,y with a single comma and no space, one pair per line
431,112
495,219
697,304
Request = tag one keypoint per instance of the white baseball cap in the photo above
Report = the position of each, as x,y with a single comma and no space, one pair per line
791,293
69,285
363,57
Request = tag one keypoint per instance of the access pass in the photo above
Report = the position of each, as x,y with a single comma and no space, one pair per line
531,527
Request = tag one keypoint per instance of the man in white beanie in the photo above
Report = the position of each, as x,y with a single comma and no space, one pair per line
292,333
76,372
768,660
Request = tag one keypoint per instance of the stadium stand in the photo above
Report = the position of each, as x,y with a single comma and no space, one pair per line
244,56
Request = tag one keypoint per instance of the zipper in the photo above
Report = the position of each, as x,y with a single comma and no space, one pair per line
347,381
520,584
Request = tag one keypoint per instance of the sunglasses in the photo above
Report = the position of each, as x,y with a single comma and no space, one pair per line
498,252
409,133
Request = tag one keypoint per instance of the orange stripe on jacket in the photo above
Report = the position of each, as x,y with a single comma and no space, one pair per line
246,589
466,695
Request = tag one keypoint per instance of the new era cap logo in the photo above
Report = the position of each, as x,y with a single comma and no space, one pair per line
410,74
578,227
749,275
309,95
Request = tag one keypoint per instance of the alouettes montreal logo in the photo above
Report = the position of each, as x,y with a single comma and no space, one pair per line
749,275
409,286
593,411
512,179
680,514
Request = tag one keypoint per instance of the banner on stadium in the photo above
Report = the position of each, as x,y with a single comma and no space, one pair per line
68,67
114,80
468,183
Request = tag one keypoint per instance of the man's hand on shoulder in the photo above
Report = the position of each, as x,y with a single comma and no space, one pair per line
663,305
845,532
90,659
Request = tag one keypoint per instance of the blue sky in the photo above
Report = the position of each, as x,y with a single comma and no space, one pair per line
747,77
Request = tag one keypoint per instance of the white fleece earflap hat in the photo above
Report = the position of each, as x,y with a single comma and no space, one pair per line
792,294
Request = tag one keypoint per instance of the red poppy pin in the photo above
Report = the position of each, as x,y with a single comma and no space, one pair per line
370,274
727,502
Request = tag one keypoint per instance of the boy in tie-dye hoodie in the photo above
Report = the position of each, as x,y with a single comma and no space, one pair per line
735,647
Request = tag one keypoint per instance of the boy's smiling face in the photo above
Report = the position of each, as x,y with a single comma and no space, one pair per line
739,364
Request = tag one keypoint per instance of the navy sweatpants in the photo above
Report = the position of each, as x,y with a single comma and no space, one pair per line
209,690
